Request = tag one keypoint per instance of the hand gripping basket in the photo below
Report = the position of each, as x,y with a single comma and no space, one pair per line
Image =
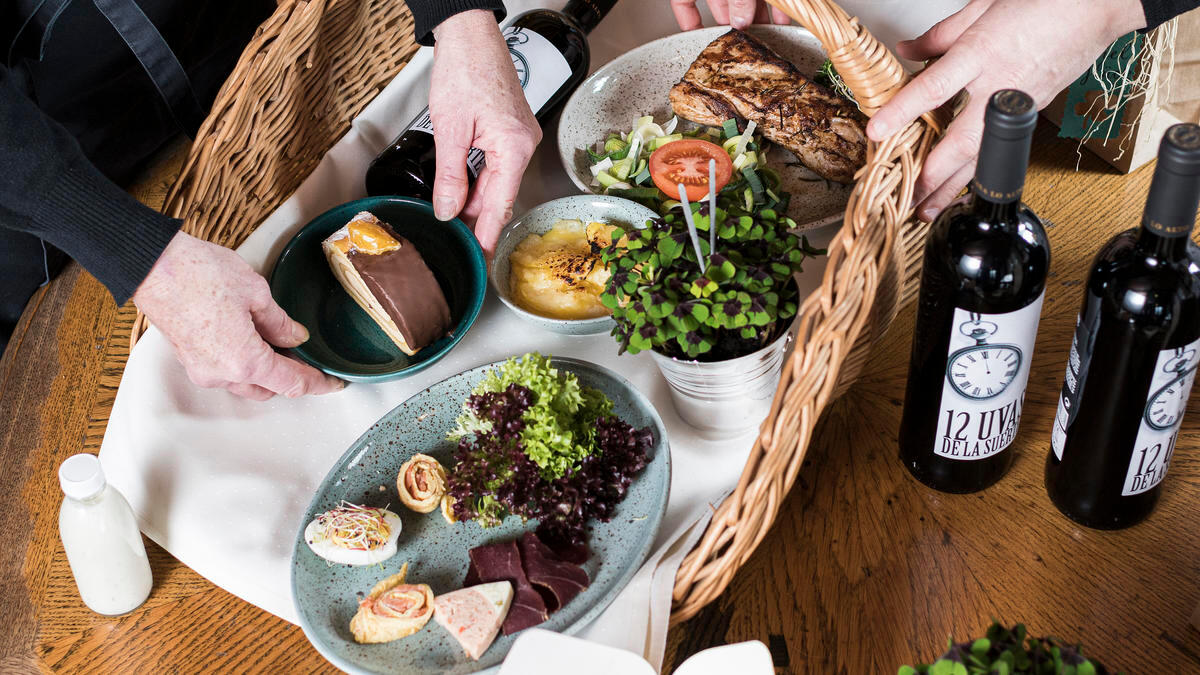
314,65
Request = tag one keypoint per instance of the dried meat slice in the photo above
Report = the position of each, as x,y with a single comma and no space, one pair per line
560,580
501,561
562,547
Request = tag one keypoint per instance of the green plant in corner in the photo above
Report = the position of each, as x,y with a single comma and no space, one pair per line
1006,651
661,300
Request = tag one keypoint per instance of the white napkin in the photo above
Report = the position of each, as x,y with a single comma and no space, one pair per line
222,483
542,652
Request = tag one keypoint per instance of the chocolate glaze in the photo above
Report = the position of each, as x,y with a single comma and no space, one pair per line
406,288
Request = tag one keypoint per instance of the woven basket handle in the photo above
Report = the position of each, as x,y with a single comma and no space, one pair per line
869,273
867,67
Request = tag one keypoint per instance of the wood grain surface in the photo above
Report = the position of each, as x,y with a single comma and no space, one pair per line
865,569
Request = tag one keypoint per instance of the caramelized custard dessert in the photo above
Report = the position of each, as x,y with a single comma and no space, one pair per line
559,274
387,277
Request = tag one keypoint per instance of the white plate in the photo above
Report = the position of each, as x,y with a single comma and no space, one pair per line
639,82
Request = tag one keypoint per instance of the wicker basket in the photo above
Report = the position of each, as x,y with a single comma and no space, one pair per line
874,264
315,64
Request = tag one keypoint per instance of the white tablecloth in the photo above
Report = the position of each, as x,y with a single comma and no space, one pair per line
222,483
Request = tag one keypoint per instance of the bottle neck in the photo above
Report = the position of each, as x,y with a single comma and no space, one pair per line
1158,246
91,499
587,13
1000,175
1170,213
988,210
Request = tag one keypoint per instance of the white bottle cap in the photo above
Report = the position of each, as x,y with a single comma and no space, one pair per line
81,476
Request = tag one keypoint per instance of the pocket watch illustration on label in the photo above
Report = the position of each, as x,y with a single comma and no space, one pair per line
1166,405
513,39
982,371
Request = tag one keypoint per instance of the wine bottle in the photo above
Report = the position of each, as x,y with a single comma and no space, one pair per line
981,297
550,52
1118,420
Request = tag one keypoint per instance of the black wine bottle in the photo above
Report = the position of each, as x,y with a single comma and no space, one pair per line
981,297
550,52
1134,355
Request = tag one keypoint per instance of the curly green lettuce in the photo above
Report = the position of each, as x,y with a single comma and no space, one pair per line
560,425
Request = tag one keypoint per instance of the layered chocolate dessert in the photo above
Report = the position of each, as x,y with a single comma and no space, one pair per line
387,277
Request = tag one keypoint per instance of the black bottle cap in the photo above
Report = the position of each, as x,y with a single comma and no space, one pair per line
588,13
1008,128
1175,189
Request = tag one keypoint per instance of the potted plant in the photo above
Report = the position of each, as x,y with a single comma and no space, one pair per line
1005,651
716,318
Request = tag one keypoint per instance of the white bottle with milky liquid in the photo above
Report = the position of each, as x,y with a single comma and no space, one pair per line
101,537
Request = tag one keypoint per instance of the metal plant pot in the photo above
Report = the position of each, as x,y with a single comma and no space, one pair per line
722,399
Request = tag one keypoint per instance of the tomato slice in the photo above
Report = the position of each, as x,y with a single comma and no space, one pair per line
686,161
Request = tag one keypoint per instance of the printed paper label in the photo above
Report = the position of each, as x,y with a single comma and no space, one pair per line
1174,373
984,387
541,68
1068,400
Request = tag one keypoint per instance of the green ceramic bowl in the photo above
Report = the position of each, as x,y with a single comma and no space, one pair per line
344,341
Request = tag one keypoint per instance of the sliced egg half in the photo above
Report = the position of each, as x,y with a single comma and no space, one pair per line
345,556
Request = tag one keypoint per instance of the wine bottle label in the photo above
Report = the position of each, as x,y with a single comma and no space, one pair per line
1068,401
1165,403
541,69
986,372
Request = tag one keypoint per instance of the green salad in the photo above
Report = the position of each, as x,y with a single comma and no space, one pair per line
622,165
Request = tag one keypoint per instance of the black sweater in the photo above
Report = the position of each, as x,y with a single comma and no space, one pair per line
81,118
50,183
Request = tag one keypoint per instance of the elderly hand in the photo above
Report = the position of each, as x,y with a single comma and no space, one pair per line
736,13
1037,46
219,315
475,100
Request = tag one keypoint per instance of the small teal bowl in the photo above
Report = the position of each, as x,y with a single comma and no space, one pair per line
343,340
538,220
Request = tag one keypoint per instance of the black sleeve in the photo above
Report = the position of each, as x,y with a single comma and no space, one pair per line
49,189
1159,12
427,14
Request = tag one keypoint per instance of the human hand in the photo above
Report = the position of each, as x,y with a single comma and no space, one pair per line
736,13
475,100
218,315
1037,46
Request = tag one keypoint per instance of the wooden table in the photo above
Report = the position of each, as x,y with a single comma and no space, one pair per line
864,571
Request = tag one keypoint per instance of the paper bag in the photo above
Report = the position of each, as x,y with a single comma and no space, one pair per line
1150,87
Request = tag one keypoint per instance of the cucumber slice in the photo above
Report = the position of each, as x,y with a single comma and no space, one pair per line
635,193
622,168
756,186
606,179
614,145
663,140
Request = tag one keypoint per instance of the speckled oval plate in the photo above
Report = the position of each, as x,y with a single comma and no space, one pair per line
639,82
436,551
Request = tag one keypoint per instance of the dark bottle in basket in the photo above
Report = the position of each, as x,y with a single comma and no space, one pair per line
550,52
981,297
1134,355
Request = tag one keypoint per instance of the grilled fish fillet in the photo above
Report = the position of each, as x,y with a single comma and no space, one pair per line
736,76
